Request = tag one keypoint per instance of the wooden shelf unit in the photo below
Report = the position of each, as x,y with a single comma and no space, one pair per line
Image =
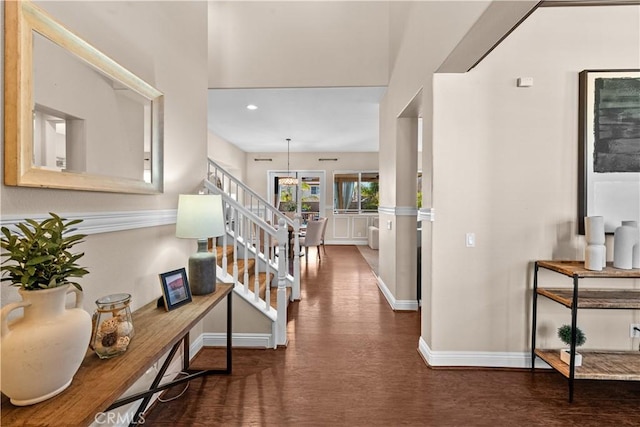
596,365
595,298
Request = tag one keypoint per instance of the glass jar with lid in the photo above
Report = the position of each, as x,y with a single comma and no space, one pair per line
112,325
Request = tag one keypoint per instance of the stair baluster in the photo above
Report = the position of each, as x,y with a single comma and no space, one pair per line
225,239
267,253
235,246
256,274
246,231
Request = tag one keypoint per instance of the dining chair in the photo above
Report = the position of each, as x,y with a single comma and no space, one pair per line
324,228
312,237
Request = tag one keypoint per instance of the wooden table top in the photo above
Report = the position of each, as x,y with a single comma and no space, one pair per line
571,268
98,383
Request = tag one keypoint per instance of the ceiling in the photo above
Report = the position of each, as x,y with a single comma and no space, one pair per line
316,119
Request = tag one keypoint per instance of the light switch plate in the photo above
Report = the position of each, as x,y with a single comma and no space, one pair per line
471,240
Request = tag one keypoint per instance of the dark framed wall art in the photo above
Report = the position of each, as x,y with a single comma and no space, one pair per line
609,146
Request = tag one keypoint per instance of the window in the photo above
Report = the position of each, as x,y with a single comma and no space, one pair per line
304,198
355,192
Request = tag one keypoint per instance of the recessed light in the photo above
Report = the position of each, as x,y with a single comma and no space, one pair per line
252,107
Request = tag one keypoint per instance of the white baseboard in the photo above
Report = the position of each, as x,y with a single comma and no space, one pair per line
486,359
362,241
219,339
403,305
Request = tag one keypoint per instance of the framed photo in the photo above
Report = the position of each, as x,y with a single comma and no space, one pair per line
175,289
609,146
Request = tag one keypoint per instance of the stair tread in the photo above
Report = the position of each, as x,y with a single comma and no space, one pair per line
274,297
241,266
220,250
273,292
263,277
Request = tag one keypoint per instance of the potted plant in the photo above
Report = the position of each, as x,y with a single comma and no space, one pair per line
40,254
564,333
43,349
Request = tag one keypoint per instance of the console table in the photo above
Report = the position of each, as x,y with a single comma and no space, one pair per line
98,383
596,365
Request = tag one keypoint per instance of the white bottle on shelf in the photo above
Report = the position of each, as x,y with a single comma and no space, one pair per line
625,238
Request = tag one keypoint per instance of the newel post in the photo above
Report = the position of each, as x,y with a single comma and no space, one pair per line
281,329
295,294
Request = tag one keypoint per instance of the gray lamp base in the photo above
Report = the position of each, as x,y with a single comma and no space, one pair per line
202,270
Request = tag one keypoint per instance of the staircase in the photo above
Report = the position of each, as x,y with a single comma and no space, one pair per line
248,252
264,279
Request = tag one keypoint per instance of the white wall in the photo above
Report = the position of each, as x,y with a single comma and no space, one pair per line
298,44
165,44
431,31
227,155
505,167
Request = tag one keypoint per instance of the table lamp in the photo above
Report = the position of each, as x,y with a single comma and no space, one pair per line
200,217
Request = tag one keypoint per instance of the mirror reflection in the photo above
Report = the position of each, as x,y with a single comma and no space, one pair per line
84,121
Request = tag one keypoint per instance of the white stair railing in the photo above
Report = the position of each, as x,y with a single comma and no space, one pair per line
254,238
222,182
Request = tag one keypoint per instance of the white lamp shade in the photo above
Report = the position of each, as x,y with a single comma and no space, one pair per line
199,216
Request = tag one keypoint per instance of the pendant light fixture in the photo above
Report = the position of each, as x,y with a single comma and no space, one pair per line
288,180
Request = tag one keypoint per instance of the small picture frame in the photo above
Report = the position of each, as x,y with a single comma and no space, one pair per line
175,288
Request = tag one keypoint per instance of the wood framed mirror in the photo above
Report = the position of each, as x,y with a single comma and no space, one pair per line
74,118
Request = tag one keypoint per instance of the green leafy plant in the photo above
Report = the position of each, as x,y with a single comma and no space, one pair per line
370,196
39,256
564,333
288,206
286,196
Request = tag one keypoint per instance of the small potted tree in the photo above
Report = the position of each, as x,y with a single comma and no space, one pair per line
42,349
564,333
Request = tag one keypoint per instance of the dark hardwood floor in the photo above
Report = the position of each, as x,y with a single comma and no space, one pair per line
352,361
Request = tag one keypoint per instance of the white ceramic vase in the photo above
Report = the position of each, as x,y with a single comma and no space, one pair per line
625,238
595,252
594,230
43,349
594,257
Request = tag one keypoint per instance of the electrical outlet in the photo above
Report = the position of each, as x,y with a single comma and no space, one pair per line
634,330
